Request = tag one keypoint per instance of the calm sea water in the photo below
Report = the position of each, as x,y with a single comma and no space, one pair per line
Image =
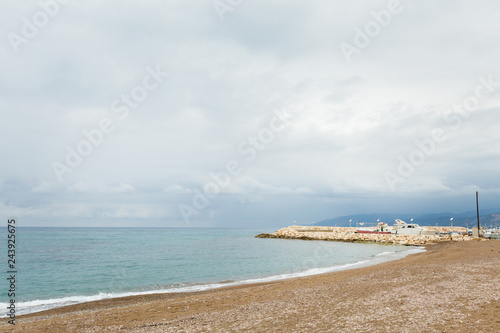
62,266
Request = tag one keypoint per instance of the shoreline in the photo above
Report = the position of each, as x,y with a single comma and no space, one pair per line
207,286
422,291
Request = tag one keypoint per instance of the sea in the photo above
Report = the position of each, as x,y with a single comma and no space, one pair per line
62,266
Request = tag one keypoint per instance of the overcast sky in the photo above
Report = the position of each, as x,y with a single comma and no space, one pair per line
246,113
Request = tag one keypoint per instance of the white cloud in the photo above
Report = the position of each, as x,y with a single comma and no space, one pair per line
177,189
79,187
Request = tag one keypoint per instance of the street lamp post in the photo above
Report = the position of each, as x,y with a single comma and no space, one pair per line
350,223
451,221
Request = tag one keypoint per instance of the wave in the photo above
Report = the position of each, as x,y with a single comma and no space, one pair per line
383,253
47,304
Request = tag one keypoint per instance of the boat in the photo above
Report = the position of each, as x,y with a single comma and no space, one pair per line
403,228
492,233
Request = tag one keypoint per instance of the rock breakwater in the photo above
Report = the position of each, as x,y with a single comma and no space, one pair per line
343,234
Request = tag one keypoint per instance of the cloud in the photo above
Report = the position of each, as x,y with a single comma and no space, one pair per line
122,188
82,187
136,211
352,122
44,187
177,189
79,187
248,185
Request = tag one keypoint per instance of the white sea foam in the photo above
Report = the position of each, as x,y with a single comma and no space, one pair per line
41,305
383,254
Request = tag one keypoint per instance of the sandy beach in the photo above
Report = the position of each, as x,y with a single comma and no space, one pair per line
452,287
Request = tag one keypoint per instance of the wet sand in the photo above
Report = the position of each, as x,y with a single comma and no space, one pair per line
453,287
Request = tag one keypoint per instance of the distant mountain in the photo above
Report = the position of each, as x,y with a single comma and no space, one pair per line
487,217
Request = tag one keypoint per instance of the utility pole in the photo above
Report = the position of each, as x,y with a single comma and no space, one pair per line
477,207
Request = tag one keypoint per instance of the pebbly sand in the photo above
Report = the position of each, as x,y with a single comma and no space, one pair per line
453,287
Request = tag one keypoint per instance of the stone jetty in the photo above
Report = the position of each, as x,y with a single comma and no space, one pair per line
342,234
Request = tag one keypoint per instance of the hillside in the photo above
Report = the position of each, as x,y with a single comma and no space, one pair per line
487,218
